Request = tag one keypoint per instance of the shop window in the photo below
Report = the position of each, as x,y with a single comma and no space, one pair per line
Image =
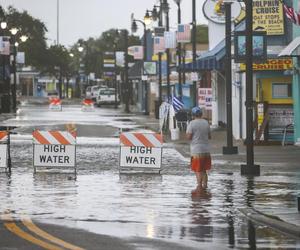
281,90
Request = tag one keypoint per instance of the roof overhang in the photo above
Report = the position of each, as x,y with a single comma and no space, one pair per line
292,49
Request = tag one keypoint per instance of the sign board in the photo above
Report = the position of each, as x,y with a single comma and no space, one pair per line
271,64
150,68
259,46
54,149
140,151
214,10
3,149
205,98
268,16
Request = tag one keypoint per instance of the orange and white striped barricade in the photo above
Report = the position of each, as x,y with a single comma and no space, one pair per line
87,105
140,152
54,149
55,104
4,150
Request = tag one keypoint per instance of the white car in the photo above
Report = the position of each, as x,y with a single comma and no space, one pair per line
107,96
92,92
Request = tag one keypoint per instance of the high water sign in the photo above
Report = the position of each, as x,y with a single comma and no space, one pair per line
140,151
3,149
54,149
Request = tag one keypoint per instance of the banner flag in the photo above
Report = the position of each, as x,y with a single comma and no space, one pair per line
170,40
136,51
159,44
183,33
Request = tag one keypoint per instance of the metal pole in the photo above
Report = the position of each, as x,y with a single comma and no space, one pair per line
115,78
127,110
159,79
229,149
168,59
159,60
145,59
14,89
249,168
194,50
179,53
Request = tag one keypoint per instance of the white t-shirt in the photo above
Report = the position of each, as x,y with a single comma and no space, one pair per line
199,128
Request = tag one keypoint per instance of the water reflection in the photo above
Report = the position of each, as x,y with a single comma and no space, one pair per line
229,190
200,216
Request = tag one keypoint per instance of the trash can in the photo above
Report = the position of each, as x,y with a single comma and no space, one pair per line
175,134
156,108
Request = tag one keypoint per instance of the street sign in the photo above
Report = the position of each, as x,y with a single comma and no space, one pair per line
3,149
140,151
54,149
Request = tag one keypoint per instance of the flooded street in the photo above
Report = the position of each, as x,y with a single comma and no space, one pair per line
162,207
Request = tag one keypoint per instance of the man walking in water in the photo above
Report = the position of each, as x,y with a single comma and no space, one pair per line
198,131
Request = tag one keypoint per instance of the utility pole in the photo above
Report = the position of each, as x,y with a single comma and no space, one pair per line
194,34
179,50
229,149
127,110
250,168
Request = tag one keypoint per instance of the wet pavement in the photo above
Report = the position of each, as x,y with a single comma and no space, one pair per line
142,208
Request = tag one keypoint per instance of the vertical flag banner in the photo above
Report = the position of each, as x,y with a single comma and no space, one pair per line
159,44
4,45
170,39
120,60
184,33
137,52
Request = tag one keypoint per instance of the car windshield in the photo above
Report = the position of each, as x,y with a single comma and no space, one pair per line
107,92
95,88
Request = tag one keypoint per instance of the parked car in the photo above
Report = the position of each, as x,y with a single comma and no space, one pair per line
107,96
91,92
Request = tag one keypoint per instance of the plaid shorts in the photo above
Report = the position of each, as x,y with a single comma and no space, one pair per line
201,162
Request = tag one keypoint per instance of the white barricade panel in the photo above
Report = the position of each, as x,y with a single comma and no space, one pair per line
141,151
54,155
3,155
54,149
3,149
140,157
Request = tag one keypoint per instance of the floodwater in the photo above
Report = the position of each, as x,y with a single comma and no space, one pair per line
161,207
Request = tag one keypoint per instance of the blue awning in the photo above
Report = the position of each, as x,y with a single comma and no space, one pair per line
210,60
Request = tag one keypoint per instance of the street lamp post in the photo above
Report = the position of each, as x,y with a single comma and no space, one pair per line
165,8
156,15
229,149
14,31
134,29
127,109
194,48
178,2
249,168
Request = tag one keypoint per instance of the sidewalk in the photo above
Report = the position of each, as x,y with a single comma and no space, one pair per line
270,158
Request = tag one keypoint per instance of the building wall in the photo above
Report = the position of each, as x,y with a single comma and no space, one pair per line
267,90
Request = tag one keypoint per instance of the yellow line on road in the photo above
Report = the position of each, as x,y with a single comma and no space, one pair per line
16,230
33,228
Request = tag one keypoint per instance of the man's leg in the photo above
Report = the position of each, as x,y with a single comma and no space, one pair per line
199,179
204,178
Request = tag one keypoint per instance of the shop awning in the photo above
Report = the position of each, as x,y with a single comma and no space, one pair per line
210,60
293,49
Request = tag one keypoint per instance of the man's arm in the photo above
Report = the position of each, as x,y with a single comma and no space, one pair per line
189,136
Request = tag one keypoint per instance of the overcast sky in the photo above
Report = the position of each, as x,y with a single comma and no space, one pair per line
89,18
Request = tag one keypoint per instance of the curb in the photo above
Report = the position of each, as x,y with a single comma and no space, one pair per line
271,221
